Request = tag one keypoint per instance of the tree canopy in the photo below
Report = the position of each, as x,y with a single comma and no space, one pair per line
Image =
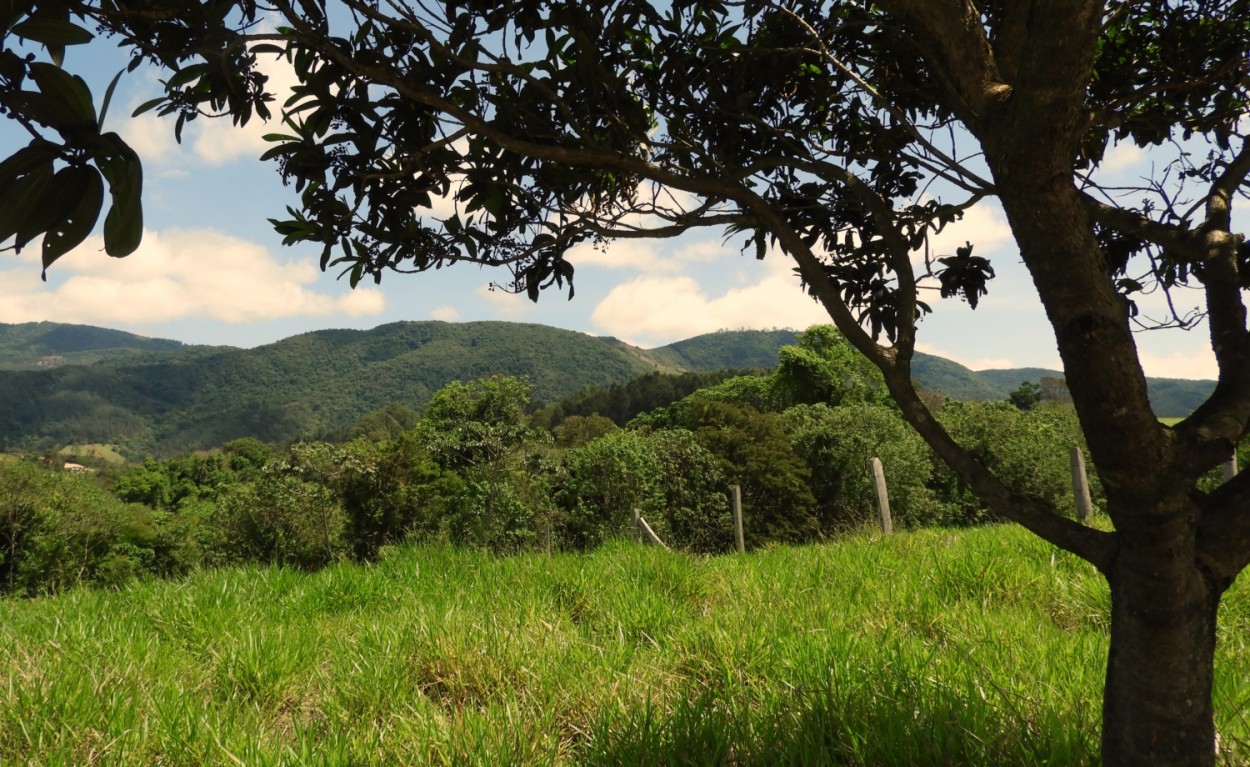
838,135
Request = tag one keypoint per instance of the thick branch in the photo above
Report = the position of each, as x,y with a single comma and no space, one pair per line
954,42
1224,530
1220,421
1177,239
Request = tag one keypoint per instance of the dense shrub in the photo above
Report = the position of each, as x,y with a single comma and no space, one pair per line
58,529
1029,451
291,514
837,444
606,480
693,492
755,453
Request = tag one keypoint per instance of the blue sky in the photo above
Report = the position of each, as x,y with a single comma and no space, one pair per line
212,271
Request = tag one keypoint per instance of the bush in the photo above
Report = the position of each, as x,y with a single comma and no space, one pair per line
59,529
290,515
606,480
837,444
693,493
1029,451
754,452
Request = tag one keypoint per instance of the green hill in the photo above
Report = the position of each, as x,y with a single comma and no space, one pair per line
300,386
35,345
164,397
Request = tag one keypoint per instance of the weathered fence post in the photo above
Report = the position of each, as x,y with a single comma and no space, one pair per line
1230,468
738,536
637,525
644,528
1080,486
883,497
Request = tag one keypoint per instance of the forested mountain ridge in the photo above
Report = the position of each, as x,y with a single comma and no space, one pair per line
35,345
164,397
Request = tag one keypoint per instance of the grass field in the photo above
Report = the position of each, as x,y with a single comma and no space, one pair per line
932,648
104,453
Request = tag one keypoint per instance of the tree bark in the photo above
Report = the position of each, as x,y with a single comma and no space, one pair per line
1157,706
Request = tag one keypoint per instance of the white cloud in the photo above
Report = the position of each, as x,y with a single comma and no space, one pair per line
509,306
984,225
651,310
641,255
445,313
208,140
151,136
1122,156
219,141
1198,364
176,274
704,251
981,363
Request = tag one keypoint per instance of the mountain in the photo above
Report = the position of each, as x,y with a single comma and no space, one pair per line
35,345
164,397
301,386
725,350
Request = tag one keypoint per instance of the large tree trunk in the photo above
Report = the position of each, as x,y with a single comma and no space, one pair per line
1157,707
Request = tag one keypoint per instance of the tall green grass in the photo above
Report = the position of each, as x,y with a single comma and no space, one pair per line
930,648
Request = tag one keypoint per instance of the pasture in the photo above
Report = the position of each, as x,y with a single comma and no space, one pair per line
937,647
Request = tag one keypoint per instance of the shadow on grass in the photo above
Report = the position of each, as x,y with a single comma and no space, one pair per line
822,728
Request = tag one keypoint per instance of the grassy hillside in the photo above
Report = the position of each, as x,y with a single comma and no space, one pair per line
34,345
930,648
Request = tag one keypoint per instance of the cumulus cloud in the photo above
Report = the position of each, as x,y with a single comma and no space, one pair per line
1121,157
984,225
207,140
219,141
657,309
176,274
509,306
445,313
151,136
639,255
981,362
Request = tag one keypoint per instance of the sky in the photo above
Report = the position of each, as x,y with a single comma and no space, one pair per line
212,271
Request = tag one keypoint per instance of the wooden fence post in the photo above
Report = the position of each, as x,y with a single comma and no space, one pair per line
738,536
883,496
1080,485
643,527
637,525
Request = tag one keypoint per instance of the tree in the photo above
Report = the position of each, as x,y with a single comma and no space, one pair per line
1026,396
838,135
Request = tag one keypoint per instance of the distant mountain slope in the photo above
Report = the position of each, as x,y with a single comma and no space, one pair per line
726,350
300,386
163,397
33,345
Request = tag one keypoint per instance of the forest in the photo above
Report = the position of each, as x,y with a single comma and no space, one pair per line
481,466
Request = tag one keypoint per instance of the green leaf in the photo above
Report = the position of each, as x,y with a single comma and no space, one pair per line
108,98
24,194
76,225
123,226
60,196
70,90
51,111
52,32
11,11
185,75
23,161
148,106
